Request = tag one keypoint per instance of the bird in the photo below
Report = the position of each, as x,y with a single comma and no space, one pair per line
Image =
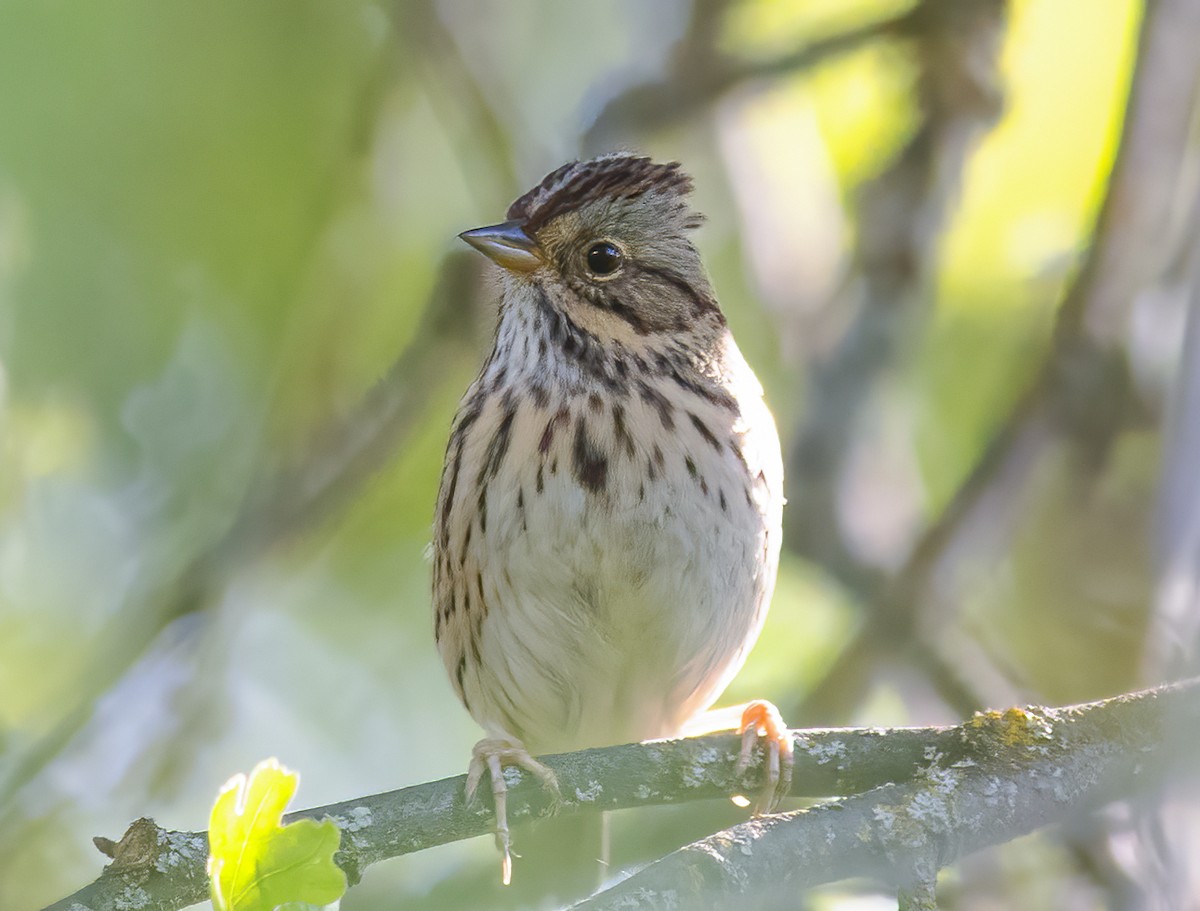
607,529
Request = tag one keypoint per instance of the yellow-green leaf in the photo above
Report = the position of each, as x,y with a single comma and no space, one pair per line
256,864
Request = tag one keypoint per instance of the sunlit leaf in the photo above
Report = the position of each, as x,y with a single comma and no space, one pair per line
256,864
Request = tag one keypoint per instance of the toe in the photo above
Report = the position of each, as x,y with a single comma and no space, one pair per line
492,755
761,719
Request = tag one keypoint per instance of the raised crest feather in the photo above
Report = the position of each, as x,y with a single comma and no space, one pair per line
616,176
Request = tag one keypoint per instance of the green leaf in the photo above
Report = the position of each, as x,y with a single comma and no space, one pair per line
254,863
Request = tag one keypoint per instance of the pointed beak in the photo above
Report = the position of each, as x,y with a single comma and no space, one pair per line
507,245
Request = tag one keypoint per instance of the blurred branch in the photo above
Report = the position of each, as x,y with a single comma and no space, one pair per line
1175,636
699,73
484,136
920,797
351,450
1012,773
1083,388
1083,391
900,217
901,213
296,497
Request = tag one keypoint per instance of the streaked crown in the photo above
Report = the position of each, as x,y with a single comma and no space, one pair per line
612,177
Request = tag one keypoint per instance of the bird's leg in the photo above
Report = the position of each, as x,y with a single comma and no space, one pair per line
753,720
761,719
492,754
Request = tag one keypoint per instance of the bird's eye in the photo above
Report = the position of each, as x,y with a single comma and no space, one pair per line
603,258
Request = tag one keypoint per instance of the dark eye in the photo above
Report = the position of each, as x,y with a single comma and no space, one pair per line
603,258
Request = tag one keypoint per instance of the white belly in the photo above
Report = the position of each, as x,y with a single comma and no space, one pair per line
616,618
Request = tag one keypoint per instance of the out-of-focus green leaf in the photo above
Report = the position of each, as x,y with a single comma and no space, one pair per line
255,864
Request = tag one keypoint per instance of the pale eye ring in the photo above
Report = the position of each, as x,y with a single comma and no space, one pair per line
604,258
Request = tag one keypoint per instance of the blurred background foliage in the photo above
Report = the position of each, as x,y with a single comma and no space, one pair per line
235,322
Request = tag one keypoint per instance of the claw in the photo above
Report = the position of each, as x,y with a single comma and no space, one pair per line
493,754
761,719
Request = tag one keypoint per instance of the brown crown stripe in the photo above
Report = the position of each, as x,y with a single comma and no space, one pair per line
608,177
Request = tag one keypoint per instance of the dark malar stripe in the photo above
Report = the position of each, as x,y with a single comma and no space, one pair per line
578,345
588,464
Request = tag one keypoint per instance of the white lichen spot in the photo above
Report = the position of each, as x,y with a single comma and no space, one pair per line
131,898
177,849
865,833
1063,791
931,809
826,752
697,775
999,791
589,794
964,764
352,824
944,780
886,817
643,792
360,818
512,775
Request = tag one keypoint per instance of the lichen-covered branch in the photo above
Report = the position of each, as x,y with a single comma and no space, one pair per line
996,776
1012,773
